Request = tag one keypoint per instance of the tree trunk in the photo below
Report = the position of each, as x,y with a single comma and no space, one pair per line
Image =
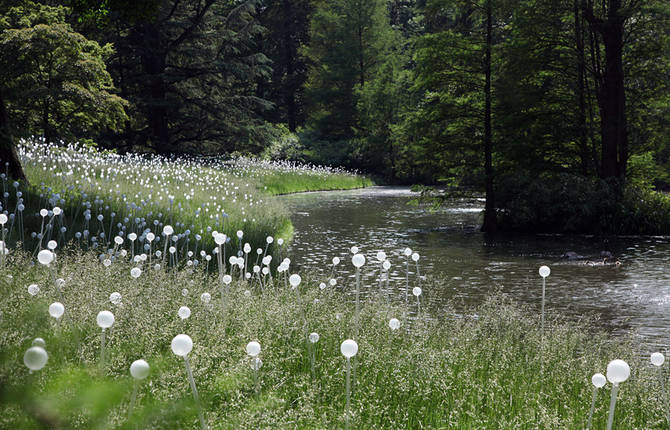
612,98
581,99
289,54
154,65
490,224
8,153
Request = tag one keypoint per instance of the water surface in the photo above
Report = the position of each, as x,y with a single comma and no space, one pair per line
631,298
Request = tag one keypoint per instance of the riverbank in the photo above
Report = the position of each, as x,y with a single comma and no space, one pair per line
108,194
487,368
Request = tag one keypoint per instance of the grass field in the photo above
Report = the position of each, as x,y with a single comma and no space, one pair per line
105,194
444,370
489,368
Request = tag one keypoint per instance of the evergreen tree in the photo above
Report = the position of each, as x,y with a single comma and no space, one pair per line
346,38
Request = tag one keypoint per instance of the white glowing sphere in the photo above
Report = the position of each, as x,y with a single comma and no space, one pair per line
115,298
106,262
168,230
598,380
135,272
33,289
205,297
269,239
349,348
544,271
184,312
381,256
227,279
132,237
220,239
247,248
38,341
35,358
314,337
182,345
322,285
407,252
394,323
358,260
139,369
45,257
354,250
386,265
118,240
232,260
56,309
417,291
57,211
44,212
3,219
253,348
294,280
617,371
657,359
105,319
332,282
280,241
172,249
415,256
240,233
151,237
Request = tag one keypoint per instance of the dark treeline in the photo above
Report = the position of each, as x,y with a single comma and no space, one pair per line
558,109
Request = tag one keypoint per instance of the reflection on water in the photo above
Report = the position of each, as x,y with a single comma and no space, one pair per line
635,296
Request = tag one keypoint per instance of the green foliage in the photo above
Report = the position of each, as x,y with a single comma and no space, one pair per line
55,80
480,369
567,203
346,38
284,145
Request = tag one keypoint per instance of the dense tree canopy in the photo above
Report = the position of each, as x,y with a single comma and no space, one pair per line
489,95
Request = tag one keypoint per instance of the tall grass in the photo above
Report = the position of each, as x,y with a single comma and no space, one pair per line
481,369
196,195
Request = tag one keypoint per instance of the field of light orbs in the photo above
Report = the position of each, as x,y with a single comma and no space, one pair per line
126,330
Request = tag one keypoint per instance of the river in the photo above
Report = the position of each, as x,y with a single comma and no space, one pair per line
631,298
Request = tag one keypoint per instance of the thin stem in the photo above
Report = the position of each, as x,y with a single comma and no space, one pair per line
610,419
593,407
312,347
257,386
102,349
133,398
348,385
358,288
542,323
406,279
665,396
203,424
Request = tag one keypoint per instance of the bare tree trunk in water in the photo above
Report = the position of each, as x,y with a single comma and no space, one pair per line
490,224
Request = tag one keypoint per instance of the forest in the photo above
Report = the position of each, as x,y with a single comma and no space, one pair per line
557,110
